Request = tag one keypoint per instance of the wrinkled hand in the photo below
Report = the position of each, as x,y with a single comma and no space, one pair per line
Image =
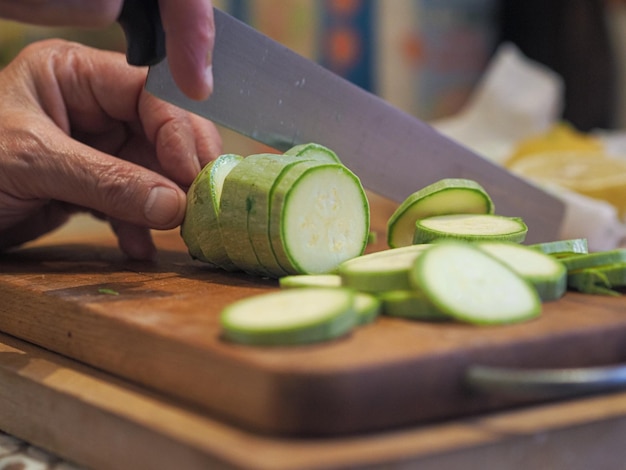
188,25
77,131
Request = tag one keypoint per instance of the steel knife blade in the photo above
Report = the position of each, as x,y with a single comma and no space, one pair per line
267,92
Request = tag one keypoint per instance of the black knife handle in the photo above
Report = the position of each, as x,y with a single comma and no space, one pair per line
145,37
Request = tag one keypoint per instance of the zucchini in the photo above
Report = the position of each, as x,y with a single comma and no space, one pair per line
601,280
467,284
310,280
272,215
470,227
367,307
314,151
244,210
563,248
380,271
200,229
447,196
595,259
411,304
290,317
319,217
544,272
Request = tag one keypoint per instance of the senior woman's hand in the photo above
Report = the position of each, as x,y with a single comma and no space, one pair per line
77,131
188,24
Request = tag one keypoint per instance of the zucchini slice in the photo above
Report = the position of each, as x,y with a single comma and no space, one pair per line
290,317
200,229
382,270
466,283
319,217
244,210
470,227
595,259
563,248
447,196
547,274
310,280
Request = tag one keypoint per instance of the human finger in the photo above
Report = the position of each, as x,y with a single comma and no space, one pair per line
135,241
190,36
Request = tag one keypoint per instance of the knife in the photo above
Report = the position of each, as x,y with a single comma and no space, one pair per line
269,93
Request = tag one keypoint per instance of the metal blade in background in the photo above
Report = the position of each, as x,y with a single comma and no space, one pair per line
271,94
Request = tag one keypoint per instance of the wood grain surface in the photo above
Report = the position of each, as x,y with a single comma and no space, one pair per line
102,422
160,330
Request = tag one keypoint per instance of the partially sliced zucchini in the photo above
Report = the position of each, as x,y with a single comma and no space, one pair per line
466,283
447,196
244,209
544,272
470,227
200,229
259,198
290,317
382,270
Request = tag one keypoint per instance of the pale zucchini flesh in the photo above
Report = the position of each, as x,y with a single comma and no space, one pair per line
470,227
447,196
563,248
290,317
601,280
310,280
259,204
547,274
469,285
595,259
381,271
321,219
280,188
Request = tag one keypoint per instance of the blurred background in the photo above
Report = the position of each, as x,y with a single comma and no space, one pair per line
425,56
430,58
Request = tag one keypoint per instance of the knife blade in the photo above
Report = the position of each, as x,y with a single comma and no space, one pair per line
269,93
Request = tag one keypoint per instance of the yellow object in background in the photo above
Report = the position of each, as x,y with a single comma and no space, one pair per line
561,137
590,173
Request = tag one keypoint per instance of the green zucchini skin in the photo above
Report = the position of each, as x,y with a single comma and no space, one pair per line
470,227
444,197
294,317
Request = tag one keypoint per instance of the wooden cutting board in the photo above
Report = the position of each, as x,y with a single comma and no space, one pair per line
161,330
103,422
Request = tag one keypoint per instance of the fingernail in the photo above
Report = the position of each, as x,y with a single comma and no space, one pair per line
162,206
208,78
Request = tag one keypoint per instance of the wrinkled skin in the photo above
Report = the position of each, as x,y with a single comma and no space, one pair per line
77,132
188,25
